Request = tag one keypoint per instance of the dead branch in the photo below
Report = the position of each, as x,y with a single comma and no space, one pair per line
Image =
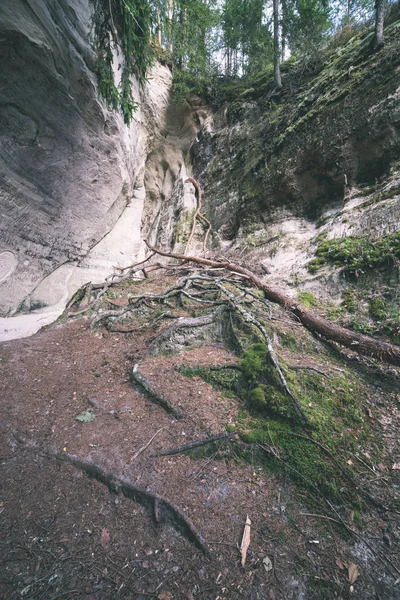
136,264
152,394
306,368
143,448
209,230
198,214
210,440
357,342
197,211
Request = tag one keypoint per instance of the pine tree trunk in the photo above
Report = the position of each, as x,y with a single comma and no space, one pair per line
284,28
379,19
277,50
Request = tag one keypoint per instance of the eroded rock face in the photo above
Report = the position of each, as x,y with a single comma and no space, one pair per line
69,166
79,190
334,126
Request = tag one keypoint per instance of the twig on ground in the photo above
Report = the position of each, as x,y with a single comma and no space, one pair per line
320,517
210,440
306,368
143,448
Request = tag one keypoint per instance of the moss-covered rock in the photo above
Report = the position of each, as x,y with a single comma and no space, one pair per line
292,150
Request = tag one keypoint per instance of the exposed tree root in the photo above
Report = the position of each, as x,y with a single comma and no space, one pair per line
210,440
152,394
143,448
250,318
216,288
197,215
111,280
357,342
188,322
162,509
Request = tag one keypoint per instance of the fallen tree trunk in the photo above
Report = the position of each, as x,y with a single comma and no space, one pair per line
362,344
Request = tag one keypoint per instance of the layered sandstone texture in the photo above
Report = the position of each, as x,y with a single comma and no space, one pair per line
72,173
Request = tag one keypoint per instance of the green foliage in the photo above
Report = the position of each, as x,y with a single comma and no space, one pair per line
246,37
191,39
200,39
373,311
305,23
349,300
125,26
288,339
337,424
315,459
357,254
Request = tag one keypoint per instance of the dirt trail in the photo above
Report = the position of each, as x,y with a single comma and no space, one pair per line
66,536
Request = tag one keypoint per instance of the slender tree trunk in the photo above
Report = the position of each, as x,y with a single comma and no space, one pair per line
379,19
277,50
284,28
349,14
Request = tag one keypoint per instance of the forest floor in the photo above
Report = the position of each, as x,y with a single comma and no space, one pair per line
65,535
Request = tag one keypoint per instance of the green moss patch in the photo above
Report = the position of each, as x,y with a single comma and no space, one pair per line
317,457
357,254
307,299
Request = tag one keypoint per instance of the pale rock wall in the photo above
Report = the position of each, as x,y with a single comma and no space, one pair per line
68,165
73,188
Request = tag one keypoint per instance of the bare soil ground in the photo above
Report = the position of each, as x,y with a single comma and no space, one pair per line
64,535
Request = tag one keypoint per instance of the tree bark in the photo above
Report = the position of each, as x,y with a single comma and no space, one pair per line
361,344
379,20
284,29
277,50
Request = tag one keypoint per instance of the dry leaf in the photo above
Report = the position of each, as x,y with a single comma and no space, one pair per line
396,467
350,462
165,596
244,546
354,573
104,538
267,563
